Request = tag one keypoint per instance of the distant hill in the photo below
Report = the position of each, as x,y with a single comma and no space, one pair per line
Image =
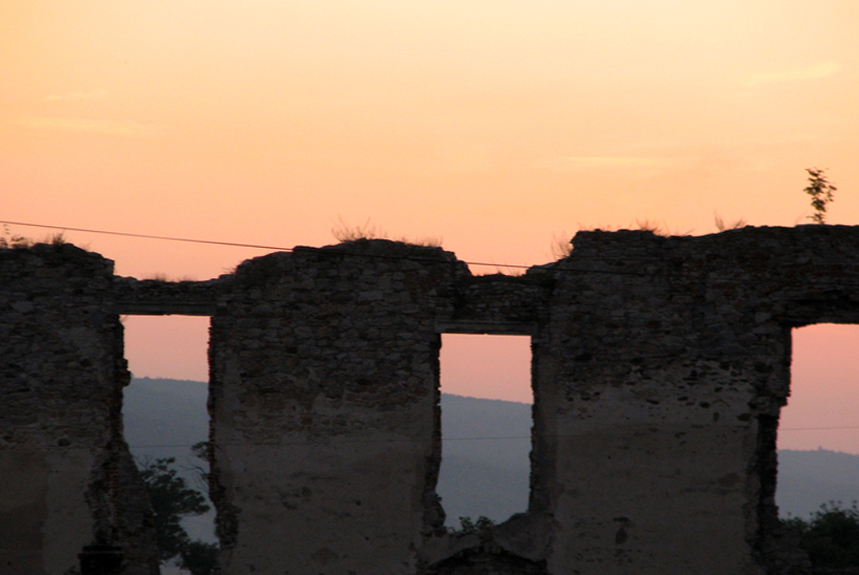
806,479
164,418
485,467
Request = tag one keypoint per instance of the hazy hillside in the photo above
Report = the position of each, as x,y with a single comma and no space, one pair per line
808,478
485,466
164,418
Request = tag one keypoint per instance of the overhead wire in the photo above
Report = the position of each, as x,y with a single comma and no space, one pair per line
612,271
230,244
147,236
497,438
292,249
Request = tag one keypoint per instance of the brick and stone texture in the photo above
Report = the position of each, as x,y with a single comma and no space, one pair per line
66,477
659,378
660,365
324,409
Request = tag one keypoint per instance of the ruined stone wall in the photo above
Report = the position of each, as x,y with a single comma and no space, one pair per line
324,405
656,384
66,478
658,380
659,369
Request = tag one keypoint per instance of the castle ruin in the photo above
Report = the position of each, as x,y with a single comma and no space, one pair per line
659,368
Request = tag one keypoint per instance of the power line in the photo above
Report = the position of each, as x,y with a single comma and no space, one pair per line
586,270
818,428
230,244
497,438
406,439
150,237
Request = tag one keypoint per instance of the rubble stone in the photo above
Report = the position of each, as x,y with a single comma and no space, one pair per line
660,365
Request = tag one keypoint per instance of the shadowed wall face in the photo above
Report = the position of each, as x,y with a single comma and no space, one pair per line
68,480
324,405
660,367
654,380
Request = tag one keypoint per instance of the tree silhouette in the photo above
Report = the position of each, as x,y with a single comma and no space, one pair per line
171,500
821,192
830,536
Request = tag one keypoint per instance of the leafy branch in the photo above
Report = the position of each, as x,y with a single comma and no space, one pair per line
172,499
482,526
820,190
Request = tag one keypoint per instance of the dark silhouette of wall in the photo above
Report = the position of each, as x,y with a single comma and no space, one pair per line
660,365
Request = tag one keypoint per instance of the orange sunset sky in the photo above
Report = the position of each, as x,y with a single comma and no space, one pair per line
493,125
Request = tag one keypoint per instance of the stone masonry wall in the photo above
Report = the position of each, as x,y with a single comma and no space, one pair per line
660,365
659,380
324,405
656,384
66,477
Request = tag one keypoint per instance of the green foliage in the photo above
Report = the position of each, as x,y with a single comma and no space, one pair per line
13,241
200,450
722,225
649,226
158,277
171,500
8,240
561,246
469,527
830,536
199,558
659,229
344,233
821,192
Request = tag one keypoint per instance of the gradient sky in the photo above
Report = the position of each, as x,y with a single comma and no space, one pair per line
495,126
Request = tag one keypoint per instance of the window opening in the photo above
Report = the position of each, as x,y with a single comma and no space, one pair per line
486,425
818,436
164,406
